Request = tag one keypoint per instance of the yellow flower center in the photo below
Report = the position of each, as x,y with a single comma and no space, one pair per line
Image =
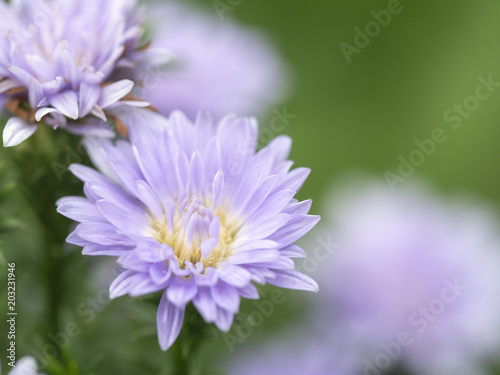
198,233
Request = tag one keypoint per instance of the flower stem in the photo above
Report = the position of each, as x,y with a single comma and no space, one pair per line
42,185
188,350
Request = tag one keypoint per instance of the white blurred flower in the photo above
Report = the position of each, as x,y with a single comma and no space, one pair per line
25,366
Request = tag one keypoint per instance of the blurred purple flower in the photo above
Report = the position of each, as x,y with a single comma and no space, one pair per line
217,66
296,356
294,352
66,60
416,282
194,211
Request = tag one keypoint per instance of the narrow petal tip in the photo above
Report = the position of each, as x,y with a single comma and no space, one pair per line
17,131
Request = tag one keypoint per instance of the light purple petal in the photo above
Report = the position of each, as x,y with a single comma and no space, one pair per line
233,275
42,112
149,198
65,64
122,218
102,233
75,239
292,279
16,131
21,75
99,113
209,278
35,93
79,209
182,170
112,93
50,88
260,194
254,256
160,273
66,103
143,284
89,95
294,179
295,229
7,84
91,129
130,260
248,185
240,246
249,291
280,147
260,230
115,194
205,304
293,251
298,208
217,185
129,103
87,174
226,297
101,250
128,173
169,322
153,252
282,263
224,319
272,205
42,68
197,177
121,284
181,291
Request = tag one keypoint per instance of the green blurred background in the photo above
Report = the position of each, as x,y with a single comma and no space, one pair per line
363,115
357,116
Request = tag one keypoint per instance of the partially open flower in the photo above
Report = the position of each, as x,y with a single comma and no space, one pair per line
193,210
66,60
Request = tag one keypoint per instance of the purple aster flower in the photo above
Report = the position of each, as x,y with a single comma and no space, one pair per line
66,60
194,211
415,282
216,66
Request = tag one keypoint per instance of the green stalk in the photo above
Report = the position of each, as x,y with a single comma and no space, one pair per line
42,186
189,347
